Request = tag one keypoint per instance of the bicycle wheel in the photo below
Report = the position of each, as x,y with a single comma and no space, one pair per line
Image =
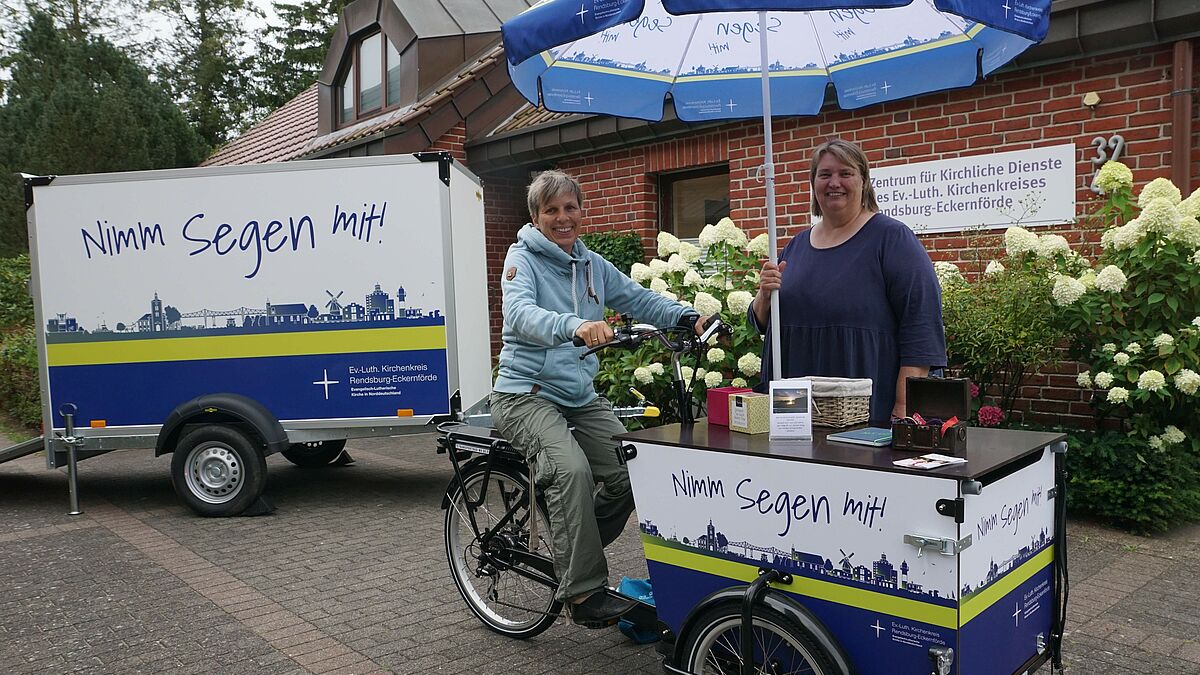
781,647
490,581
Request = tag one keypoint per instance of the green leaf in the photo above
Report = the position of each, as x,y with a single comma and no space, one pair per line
1155,298
1172,365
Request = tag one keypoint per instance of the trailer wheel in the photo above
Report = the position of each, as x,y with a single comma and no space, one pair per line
218,471
314,453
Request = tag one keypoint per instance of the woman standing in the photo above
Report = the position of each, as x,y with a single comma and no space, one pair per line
857,292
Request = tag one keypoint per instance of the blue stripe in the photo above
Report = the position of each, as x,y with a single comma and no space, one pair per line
556,23
144,393
946,67
678,590
569,89
997,642
1030,20
710,99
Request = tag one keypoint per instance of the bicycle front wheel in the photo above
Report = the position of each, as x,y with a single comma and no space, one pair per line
780,646
492,581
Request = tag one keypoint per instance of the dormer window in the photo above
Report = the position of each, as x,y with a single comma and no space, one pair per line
371,83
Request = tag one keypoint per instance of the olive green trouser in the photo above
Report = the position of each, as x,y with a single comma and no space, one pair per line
567,466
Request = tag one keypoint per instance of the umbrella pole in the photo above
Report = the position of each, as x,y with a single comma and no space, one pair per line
769,179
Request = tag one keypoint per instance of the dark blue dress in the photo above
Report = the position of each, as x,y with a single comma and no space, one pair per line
860,309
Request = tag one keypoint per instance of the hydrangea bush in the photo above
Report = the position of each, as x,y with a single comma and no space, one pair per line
1132,317
720,276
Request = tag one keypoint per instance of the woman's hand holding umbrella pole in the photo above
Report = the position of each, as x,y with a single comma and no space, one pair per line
769,281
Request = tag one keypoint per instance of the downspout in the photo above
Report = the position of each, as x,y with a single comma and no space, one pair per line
1182,92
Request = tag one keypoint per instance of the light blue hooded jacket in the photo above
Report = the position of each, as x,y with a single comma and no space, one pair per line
547,296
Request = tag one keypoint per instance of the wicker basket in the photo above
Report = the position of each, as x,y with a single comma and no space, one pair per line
840,401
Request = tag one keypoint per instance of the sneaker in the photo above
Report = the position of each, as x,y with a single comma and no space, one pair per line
600,610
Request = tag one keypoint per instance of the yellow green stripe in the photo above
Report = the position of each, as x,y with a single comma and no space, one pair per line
936,44
975,605
946,617
609,70
756,75
301,343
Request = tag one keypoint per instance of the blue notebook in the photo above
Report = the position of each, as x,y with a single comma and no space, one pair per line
872,436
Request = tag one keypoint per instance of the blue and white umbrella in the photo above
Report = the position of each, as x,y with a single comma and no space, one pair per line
735,59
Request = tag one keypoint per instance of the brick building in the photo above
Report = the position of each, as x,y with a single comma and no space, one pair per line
400,81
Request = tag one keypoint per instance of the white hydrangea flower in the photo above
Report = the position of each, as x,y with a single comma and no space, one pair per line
1111,279
1018,240
656,368
1155,442
658,285
1187,381
709,236
700,373
715,355
1114,175
1084,379
693,278
738,302
760,245
731,234
1159,188
677,264
1126,236
658,267
1151,380
1050,245
687,372
670,296
1121,359
1133,348
1187,232
1196,258
1163,340
640,273
737,382
750,364
1196,322
1160,215
689,251
993,268
684,302
1066,290
706,304
1109,347
1088,279
1190,207
1172,435
1104,380
717,281
947,272
1118,395
643,375
713,379
667,244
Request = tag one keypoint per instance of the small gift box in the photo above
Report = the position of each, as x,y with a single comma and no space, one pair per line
750,413
718,404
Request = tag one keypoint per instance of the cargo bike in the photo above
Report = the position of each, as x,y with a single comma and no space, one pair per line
782,557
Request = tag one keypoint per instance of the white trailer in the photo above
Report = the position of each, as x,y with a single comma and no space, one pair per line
225,314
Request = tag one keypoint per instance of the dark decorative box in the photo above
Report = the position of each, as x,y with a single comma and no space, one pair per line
934,398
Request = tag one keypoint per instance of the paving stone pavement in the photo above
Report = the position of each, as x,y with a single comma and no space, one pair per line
349,576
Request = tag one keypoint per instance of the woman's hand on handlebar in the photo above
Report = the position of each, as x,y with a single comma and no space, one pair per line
593,334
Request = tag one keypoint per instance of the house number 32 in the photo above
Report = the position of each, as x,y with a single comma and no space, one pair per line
1103,146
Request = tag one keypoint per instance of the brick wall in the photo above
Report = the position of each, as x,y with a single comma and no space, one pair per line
1014,111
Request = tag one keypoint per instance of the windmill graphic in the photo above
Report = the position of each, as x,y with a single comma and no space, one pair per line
847,566
333,305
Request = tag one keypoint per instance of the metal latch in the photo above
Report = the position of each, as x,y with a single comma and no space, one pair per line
942,545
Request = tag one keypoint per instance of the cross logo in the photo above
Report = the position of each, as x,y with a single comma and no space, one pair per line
877,628
326,382
885,87
588,98
581,12
1006,9
730,105
1017,615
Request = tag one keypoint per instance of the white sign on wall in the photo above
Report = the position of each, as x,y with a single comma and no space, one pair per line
1025,187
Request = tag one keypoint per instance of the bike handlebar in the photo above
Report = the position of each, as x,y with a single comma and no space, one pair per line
631,336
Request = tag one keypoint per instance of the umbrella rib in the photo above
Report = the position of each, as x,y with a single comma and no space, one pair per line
820,45
687,47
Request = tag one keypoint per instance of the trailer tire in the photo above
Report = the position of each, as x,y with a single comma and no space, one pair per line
314,453
218,471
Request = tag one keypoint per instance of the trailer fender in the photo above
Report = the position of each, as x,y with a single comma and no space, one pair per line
233,409
777,601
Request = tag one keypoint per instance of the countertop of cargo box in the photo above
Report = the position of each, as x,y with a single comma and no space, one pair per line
988,450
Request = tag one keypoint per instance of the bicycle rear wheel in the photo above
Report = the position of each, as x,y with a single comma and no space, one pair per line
780,646
490,580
